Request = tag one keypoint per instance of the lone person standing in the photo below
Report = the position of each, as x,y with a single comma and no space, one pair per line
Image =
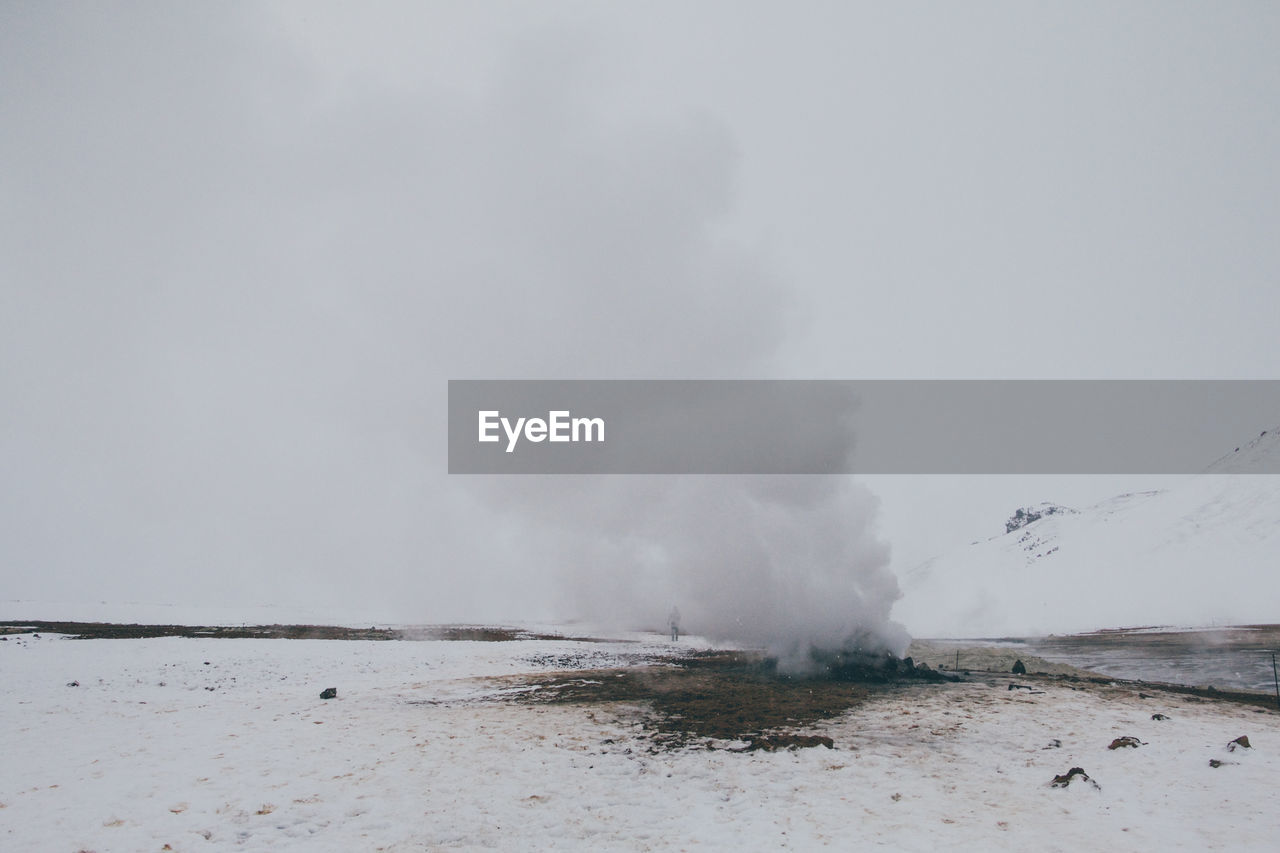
674,620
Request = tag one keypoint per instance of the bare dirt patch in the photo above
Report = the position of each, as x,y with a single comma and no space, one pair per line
714,700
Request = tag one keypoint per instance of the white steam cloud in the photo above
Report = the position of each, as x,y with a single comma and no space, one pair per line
788,563
233,297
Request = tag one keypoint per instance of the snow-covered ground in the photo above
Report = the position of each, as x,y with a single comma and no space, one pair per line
192,744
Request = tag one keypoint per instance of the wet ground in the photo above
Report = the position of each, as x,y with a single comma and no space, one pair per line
725,700
1236,658
736,701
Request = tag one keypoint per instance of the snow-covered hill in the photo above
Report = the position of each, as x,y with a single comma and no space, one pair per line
1262,454
1205,551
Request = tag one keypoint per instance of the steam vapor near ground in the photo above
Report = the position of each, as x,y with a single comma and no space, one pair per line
788,563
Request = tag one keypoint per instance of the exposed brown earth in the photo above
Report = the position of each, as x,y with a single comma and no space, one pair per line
713,699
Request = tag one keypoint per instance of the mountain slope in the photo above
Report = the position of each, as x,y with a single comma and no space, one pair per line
1206,551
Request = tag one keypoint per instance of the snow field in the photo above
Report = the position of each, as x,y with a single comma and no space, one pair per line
420,750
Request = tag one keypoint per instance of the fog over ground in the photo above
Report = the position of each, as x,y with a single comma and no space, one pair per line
243,247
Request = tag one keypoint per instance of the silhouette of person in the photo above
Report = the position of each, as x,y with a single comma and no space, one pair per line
674,620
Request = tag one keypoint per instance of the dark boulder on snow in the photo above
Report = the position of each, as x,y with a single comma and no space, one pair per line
1241,742
329,693
1158,717
1127,740
1075,773
1019,668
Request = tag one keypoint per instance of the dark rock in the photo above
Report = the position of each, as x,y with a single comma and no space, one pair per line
1024,516
1053,744
1214,762
1074,773
1013,686
1159,717
329,693
1241,742
1019,668
73,684
1127,740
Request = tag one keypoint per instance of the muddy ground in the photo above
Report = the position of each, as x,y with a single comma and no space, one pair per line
737,701
716,699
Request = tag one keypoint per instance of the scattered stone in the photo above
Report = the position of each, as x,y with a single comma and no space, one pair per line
1214,762
73,684
1053,744
1013,686
773,743
1019,668
1242,742
1127,740
329,693
1159,717
1074,773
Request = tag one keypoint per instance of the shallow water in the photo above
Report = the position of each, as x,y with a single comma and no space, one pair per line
1238,658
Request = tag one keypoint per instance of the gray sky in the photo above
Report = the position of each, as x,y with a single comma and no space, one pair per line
244,246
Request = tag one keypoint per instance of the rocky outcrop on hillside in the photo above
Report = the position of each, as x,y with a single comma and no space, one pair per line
1026,515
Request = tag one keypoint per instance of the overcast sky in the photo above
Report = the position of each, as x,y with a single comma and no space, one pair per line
244,246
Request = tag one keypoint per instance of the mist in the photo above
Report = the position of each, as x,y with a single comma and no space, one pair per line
245,246
787,563
233,302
